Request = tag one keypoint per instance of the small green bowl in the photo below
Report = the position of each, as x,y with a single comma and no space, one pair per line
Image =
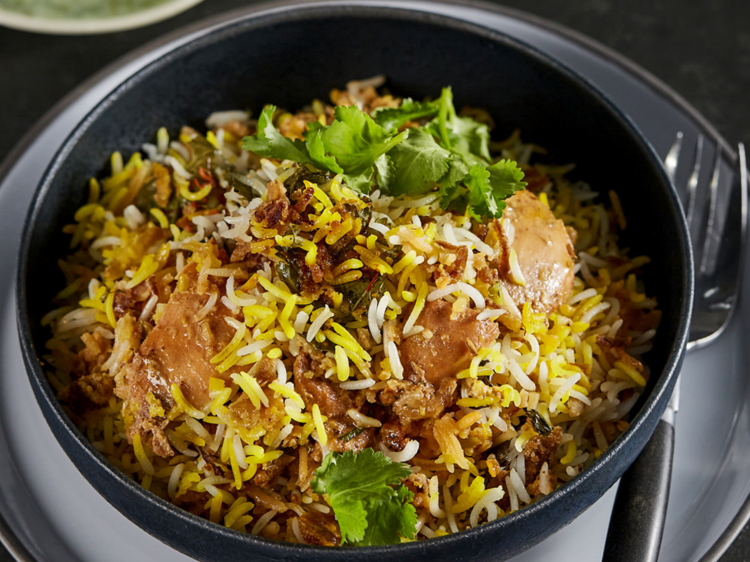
85,17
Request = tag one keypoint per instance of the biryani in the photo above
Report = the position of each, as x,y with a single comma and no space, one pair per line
363,323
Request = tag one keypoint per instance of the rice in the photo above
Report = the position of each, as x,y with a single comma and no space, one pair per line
292,323
468,290
409,451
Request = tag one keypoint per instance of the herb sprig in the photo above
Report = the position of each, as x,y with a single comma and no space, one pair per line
371,504
449,153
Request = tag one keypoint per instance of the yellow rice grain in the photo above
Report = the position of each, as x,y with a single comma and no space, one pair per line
342,364
195,195
140,454
110,306
287,392
183,404
631,372
318,421
570,452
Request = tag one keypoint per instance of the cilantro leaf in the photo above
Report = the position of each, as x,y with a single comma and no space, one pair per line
356,141
506,178
270,143
490,187
391,118
481,201
361,182
397,516
461,135
418,161
317,150
360,491
385,169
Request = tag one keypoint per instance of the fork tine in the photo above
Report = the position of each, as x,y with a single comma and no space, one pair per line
692,185
714,221
670,162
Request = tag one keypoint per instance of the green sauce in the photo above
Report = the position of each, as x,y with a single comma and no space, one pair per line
78,9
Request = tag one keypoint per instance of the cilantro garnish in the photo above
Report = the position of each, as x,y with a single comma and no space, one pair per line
449,153
270,143
371,504
391,118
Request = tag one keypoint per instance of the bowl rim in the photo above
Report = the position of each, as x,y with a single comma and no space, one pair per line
93,26
197,36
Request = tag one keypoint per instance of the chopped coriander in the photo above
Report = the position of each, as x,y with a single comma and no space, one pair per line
371,504
270,143
450,154
391,118
418,162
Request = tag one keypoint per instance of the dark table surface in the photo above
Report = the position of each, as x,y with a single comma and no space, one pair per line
701,48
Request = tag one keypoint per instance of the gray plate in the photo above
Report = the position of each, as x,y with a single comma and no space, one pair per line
49,513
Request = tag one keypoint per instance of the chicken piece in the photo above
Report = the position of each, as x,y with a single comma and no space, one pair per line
319,528
539,450
274,212
88,393
445,346
270,471
332,401
545,254
414,401
179,349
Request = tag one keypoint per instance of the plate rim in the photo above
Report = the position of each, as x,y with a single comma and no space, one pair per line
203,26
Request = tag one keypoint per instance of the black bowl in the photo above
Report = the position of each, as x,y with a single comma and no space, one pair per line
288,56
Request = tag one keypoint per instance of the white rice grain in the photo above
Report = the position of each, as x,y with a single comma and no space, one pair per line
318,323
644,337
583,295
372,321
434,495
281,372
362,419
382,306
613,330
220,118
522,378
148,308
465,288
396,367
560,392
490,314
358,384
264,520
478,243
487,502
174,479
409,451
133,217
208,307
239,451
602,306
512,495
283,434
300,321
295,530
177,167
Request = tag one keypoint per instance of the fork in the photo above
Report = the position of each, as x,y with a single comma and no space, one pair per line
717,232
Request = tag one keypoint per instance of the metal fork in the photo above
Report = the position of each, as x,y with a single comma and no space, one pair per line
717,233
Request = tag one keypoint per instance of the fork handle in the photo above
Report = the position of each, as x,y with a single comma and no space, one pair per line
640,510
